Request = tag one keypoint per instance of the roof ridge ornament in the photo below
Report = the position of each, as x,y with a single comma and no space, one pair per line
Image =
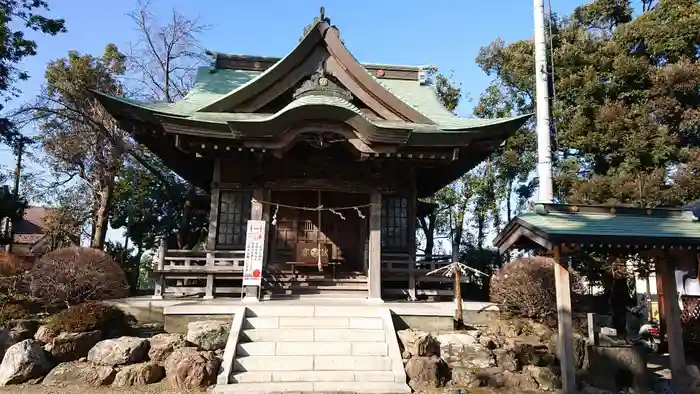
317,20
322,84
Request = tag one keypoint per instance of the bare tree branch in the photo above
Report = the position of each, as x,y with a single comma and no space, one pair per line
166,56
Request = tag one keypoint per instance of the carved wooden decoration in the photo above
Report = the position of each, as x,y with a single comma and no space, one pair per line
321,83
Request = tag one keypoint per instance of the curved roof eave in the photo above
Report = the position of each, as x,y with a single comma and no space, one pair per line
312,37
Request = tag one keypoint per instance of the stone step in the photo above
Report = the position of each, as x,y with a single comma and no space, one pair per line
348,335
312,349
326,387
313,376
277,335
272,310
367,323
312,335
256,349
273,363
260,322
279,363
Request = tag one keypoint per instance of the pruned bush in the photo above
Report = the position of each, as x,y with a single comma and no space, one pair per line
16,307
13,275
91,316
525,287
73,275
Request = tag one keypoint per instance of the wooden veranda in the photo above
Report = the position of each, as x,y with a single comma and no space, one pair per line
670,237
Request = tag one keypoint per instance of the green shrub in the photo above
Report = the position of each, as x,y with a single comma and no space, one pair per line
525,287
92,316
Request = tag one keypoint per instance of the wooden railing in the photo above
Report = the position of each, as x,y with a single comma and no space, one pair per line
189,272
402,263
224,261
411,274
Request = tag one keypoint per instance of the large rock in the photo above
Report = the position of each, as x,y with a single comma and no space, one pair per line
80,373
409,341
507,359
6,340
188,368
162,345
146,330
545,377
580,344
139,375
464,377
23,361
44,334
464,350
606,365
119,351
519,381
24,329
492,377
71,346
209,334
426,372
427,346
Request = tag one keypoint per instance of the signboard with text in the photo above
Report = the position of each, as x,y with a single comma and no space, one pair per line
254,253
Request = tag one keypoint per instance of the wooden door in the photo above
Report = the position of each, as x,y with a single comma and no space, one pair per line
295,225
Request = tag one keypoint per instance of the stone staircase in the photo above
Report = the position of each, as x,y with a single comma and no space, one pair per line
313,348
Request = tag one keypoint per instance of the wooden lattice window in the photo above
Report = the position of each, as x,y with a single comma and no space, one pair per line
395,223
234,212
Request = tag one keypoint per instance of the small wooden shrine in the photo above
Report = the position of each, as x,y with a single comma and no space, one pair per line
332,153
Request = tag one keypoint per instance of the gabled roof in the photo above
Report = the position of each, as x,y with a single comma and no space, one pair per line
30,229
610,227
235,93
260,103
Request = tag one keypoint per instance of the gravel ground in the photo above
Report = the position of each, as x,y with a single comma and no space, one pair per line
158,388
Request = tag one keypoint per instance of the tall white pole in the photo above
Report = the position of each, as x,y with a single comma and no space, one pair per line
544,172
544,153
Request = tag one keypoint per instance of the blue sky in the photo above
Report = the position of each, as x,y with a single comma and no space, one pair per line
444,33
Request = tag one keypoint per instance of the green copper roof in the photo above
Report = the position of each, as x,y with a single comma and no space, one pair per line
594,224
211,85
563,223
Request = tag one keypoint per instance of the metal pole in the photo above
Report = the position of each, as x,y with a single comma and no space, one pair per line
544,153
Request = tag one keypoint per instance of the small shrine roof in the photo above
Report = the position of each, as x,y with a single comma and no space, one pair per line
600,226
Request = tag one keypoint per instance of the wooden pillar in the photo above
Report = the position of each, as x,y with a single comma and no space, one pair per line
267,217
160,265
375,247
214,193
566,330
412,237
666,270
256,213
209,289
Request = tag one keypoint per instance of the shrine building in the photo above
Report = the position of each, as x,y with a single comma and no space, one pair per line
331,153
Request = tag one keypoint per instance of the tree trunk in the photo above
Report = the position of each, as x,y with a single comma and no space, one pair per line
509,195
101,218
458,231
